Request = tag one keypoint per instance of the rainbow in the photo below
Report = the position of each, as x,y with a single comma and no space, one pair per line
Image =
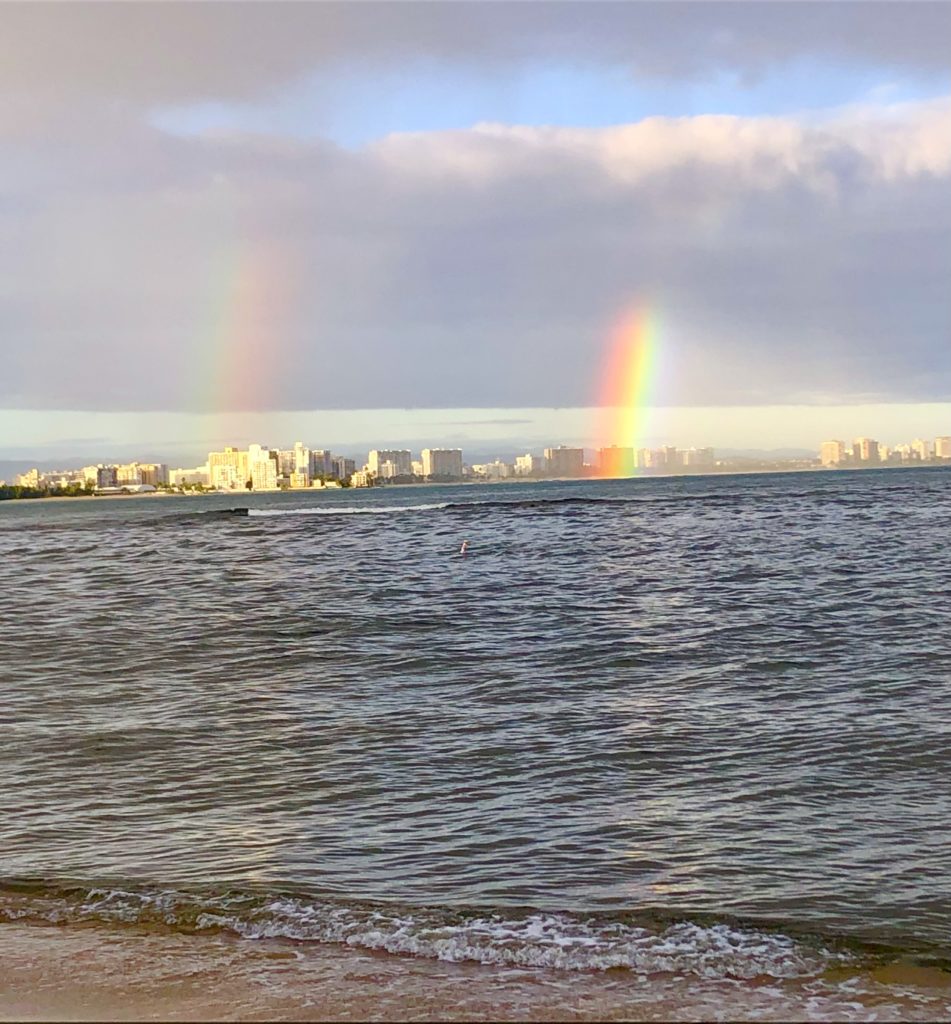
627,380
247,319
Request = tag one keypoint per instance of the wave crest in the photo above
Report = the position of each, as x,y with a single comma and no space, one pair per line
558,941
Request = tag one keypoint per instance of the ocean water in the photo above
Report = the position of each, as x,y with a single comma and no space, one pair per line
691,727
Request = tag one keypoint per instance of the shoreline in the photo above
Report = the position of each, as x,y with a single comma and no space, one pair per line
86,972
474,483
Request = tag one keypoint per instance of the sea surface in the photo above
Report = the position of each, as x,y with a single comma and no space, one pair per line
689,728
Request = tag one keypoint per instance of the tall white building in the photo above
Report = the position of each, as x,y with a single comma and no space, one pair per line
693,457
832,453
301,457
529,465
921,449
942,448
228,470
262,467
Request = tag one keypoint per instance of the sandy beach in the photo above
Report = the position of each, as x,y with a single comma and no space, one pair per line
87,973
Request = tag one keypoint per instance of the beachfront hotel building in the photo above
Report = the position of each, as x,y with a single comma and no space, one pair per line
529,465
228,470
615,461
832,453
343,468
442,462
401,459
262,467
564,461
864,449
921,449
942,447
694,457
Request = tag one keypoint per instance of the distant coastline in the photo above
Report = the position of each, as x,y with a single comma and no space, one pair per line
6,495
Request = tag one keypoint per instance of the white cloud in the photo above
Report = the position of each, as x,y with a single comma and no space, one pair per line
482,267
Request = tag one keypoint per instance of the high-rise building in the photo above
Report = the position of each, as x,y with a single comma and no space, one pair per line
153,473
672,457
128,473
262,467
832,453
864,449
445,463
286,462
615,462
228,470
694,458
942,447
530,465
31,478
644,458
921,449
564,461
321,463
106,476
343,468
401,458
301,458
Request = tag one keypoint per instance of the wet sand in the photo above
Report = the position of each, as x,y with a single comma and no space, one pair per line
83,973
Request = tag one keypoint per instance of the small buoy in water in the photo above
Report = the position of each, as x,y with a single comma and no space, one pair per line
464,548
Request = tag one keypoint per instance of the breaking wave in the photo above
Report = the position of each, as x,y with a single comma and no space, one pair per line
344,510
561,941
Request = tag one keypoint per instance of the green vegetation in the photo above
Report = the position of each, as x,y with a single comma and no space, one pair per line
13,491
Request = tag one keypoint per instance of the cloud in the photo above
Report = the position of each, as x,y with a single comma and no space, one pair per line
788,259
160,53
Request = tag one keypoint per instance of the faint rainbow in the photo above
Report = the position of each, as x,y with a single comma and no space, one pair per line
628,380
242,347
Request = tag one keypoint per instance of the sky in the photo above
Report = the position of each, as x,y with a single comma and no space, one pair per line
363,223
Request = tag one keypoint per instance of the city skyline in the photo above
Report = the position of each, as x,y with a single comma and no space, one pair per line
302,467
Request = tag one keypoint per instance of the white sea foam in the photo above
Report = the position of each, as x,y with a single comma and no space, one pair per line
557,941
346,510
553,941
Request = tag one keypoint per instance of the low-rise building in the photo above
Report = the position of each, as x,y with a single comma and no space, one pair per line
189,477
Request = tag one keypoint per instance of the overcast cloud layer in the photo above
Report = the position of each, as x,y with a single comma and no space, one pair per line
789,259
